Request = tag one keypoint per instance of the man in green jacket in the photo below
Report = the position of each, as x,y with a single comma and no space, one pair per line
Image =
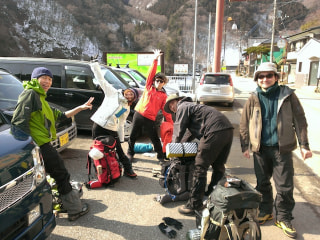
271,121
34,116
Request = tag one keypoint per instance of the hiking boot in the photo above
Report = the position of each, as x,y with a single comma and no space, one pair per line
186,210
130,173
287,228
85,210
263,217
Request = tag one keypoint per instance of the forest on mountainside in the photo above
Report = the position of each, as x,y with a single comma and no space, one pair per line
138,25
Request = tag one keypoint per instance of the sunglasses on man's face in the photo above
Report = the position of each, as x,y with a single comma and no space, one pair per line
159,81
269,75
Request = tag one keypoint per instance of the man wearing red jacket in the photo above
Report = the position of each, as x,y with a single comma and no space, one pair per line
152,100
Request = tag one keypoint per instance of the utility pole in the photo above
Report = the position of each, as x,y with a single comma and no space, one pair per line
209,40
273,29
218,35
194,47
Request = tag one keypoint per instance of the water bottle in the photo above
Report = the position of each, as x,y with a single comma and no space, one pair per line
193,234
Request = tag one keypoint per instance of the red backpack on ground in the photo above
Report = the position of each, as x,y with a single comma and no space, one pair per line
104,158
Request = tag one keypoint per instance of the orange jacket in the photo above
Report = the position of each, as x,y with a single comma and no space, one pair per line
152,100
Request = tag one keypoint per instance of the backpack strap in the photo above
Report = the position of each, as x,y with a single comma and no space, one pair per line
106,155
232,231
205,221
231,227
173,197
254,230
183,150
89,161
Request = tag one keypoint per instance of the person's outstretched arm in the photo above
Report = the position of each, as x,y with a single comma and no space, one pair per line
153,68
80,108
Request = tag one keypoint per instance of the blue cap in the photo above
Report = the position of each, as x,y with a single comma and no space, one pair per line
41,71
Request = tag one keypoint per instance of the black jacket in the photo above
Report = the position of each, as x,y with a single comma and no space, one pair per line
201,120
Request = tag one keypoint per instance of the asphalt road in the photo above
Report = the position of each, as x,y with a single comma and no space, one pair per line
128,211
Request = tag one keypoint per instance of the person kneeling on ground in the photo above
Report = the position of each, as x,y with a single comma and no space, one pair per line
34,116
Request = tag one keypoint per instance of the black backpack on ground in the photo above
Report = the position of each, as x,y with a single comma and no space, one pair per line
176,178
232,212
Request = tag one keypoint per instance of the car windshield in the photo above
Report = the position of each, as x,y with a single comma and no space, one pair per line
216,79
114,80
10,89
139,77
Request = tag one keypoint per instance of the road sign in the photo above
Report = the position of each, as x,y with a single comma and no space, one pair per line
180,68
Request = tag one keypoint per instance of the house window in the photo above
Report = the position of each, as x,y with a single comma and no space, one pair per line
292,47
300,67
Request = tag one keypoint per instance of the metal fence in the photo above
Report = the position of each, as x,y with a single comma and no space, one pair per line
183,83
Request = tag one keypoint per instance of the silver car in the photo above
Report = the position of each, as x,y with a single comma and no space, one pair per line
215,87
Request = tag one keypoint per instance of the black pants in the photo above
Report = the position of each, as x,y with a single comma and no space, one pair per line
138,123
270,163
213,150
100,131
54,165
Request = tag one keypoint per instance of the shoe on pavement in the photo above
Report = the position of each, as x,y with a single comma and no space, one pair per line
263,217
186,210
130,173
75,216
287,228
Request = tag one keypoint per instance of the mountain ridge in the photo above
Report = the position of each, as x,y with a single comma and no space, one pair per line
79,29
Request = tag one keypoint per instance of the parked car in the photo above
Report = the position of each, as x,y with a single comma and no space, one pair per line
26,200
10,89
138,80
73,82
215,87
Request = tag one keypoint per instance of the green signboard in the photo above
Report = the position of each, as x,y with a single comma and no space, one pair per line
138,61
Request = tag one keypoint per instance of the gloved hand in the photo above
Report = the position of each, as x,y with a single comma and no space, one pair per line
170,233
173,222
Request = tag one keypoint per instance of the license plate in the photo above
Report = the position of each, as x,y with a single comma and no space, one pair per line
64,139
217,91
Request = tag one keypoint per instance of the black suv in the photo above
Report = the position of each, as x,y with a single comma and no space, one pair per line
10,89
73,82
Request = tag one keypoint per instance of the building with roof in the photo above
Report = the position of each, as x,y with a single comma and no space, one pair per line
301,63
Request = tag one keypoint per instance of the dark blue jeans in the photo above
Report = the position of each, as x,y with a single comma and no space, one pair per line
269,162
